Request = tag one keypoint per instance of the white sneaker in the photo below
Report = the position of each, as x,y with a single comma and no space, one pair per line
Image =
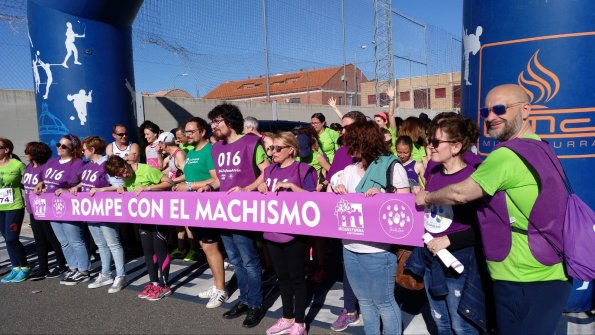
207,294
101,280
119,284
217,299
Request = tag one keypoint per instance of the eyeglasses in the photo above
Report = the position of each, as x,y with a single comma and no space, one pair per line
278,148
190,132
63,146
435,143
122,134
215,123
498,109
269,148
2,148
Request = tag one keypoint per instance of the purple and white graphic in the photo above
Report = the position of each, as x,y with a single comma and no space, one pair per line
39,208
59,207
396,218
350,217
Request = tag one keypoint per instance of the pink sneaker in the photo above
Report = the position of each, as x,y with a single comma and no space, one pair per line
282,326
158,293
146,291
298,329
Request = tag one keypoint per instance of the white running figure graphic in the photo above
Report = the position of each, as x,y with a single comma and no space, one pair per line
80,100
48,72
131,90
471,44
70,47
36,72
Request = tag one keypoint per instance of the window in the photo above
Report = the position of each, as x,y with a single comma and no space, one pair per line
456,96
440,93
294,100
371,99
404,96
421,98
383,99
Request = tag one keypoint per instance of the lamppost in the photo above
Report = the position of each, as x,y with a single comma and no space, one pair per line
361,47
176,77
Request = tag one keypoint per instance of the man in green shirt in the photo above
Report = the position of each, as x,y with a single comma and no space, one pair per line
529,296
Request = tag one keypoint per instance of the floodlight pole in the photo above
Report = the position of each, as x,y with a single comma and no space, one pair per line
266,49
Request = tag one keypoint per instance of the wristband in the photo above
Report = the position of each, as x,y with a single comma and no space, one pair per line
171,182
188,186
210,187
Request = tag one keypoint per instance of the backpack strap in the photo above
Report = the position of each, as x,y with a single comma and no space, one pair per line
390,188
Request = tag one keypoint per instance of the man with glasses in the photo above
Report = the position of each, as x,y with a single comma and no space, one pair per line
121,146
529,283
239,162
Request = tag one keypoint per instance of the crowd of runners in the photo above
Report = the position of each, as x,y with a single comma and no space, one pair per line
507,290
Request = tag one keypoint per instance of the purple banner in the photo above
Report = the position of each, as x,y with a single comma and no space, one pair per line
388,218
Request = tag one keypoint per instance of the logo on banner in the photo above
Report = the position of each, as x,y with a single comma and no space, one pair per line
350,217
59,206
39,207
396,219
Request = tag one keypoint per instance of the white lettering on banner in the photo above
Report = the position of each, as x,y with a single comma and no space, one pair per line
177,209
255,211
144,208
92,207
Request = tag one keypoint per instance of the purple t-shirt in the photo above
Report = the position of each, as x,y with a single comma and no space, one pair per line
300,174
234,162
93,175
411,174
341,160
61,175
30,179
440,220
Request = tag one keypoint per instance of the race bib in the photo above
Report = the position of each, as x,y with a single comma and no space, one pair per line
437,218
6,196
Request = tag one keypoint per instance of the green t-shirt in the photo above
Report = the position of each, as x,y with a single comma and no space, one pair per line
418,152
328,143
186,147
503,170
11,174
393,135
199,164
144,175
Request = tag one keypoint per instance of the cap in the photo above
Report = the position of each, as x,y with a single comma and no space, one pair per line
304,147
382,115
166,137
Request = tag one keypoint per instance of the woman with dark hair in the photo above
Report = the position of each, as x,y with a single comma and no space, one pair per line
37,154
58,175
153,153
287,251
415,170
371,267
414,128
12,211
327,138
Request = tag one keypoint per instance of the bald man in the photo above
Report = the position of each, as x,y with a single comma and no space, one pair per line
529,296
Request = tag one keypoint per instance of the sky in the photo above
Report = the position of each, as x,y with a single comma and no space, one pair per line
195,45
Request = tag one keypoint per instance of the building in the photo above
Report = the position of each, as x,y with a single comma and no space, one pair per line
171,93
440,91
303,87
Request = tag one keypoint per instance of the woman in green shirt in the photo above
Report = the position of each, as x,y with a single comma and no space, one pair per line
12,211
327,138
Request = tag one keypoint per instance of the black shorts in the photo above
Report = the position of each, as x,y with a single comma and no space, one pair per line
206,235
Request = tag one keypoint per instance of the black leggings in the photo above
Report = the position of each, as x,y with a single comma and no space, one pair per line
44,237
288,261
154,242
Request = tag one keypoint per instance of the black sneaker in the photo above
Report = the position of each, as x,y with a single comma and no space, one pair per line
77,277
55,272
236,311
253,317
37,275
66,275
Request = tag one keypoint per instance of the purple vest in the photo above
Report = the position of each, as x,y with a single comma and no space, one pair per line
411,174
340,161
56,175
30,179
453,218
93,175
546,217
296,173
234,162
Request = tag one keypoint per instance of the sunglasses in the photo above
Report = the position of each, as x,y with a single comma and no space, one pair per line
278,148
122,134
63,146
435,143
497,109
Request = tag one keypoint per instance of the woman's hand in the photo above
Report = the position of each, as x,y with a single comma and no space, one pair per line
437,244
371,192
58,192
283,186
73,190
340,189
121,189
262,188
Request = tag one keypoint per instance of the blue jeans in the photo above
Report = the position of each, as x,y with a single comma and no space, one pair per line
241,252
10,227
71,238
444,309
372,277
107,238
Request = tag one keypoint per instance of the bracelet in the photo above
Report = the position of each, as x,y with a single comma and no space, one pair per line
188,186
171,182
210,187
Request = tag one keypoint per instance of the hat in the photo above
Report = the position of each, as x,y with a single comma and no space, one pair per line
304,146
166,137
382,115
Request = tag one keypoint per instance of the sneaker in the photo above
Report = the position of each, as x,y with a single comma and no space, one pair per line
177,254
101,280
66,275
9,277
146,291
191,256
345,320
217,299
77,277
22,275
282,326
37,275
55,272
158,293
298,329
207,294
118,285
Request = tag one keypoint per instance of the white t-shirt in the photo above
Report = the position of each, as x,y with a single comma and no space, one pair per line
350,177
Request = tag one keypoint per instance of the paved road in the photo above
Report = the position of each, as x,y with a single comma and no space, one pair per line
47,307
